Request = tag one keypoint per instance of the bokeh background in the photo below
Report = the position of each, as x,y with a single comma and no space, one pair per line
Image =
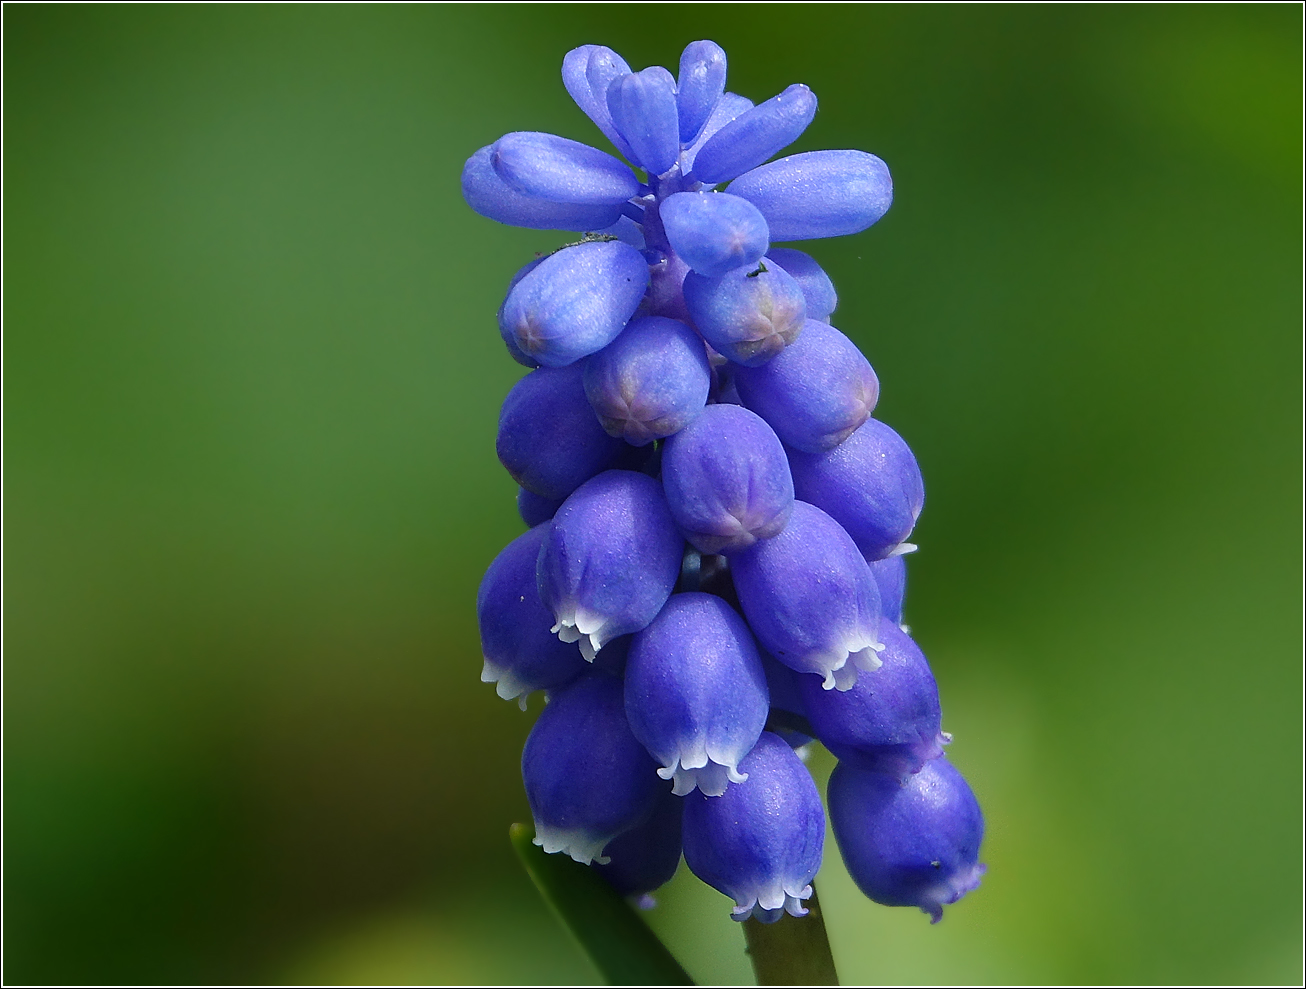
252,381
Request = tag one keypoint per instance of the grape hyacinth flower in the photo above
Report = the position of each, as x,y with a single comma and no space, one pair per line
696,694
686,386
912,842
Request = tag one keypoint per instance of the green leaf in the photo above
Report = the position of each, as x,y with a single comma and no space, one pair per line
619,943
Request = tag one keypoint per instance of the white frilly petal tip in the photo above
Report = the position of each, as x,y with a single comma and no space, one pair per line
902,549
712,779
506,684
581,845
575,624
937,897
772,905
859,652
696,765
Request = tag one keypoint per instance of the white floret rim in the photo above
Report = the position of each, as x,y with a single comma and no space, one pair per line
506,683
772,904
582,845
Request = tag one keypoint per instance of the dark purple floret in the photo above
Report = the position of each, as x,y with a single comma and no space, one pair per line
889,720
696,695
760,843
587,778
748,314
727,480
912,842
520,653
549,439
650,381
870,483
610,560
815,392
645,857
891,578
533,509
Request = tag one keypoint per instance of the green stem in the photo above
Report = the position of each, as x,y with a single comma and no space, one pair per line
793,951
616,939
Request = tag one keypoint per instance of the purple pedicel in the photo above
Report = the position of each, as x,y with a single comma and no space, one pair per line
650,381
889,720
587,778
811,600
610,559
714,232
909,843
696,694
818,194
748,314
520,653
870,483
727,480
815,392
645,857
549,440
818,290
666,291
574,302
742,844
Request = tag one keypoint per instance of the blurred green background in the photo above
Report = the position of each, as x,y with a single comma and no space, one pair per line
252,385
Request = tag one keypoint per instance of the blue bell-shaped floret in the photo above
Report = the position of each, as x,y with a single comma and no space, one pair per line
759,843
520,653
815,392
587,778
574,303
870,484
549,440
908,843
610,560
650,381
727,480
695,692
810,598
889,719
